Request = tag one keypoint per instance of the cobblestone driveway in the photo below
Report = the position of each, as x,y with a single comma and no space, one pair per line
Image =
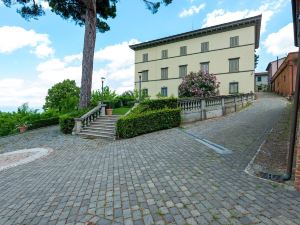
161,178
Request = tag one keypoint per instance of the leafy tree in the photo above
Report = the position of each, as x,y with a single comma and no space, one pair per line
198,85
92,14
107,96
63,96
256,57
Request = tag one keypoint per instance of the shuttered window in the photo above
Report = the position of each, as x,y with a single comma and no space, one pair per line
182,70
164,54
164,73
145,57
234,65
145,75
204,67
234,41
164,91
233,88
204,47
183,50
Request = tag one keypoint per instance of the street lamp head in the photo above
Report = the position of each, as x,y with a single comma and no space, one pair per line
102,78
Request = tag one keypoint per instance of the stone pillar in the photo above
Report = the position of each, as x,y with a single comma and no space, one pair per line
78,126
234,98
223,106
297,172
102,110
203,109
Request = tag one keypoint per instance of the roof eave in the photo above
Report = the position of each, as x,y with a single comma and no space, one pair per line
256,20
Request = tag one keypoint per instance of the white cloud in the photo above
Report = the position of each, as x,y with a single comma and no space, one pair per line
281,42
13,38
116,63
192,10
267,9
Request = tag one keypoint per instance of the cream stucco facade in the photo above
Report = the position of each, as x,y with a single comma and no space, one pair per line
218,55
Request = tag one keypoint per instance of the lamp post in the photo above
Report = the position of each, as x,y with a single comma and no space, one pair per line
140,85
102,81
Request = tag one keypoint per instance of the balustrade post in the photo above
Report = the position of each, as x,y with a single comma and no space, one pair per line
223,106
234,99
203,109
102,112
78,126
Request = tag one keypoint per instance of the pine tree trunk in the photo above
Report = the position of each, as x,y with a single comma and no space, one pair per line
88,54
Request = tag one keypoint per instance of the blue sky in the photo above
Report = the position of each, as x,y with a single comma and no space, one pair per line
37,54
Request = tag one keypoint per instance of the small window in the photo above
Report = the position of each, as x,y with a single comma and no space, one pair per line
145,57
183,50
234,41
204,47
204,67
145,92
182,70
164,92
234,65
259,79
164,73
164,54
145,75
233,88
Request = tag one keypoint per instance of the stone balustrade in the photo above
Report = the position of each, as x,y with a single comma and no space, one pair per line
86,119
194,109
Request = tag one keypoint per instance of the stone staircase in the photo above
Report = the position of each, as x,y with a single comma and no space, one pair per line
102,127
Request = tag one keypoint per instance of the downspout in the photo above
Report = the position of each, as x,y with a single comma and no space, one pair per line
294,118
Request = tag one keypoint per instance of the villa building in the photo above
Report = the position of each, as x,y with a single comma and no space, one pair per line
225,50
262,81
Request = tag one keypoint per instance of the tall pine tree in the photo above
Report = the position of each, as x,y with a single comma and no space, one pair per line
90,13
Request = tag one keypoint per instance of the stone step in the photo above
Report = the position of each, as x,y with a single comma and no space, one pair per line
98,131
104,128
91,135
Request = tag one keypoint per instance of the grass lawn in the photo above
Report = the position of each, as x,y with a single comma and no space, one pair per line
121,111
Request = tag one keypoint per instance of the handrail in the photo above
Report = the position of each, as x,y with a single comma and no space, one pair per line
198,103
88,118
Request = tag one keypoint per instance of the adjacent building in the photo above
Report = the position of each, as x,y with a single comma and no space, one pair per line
225,50
261,81
284,80
273,67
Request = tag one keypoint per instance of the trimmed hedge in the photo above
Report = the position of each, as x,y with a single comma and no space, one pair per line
67,122
155,104
43,123
141,123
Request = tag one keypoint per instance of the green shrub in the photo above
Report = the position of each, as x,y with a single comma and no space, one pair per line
141,123
43,123
67,122
155,104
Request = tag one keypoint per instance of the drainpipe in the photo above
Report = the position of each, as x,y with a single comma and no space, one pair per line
294,118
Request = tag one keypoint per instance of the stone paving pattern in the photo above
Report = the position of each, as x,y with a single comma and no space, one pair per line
161,178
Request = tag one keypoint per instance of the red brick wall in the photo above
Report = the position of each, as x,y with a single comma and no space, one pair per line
297,172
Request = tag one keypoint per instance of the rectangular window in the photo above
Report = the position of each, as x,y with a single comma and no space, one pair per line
233,88
182,70
234,41
145,75
164,73
183,50
145,57
204,67
145,92
204,47
258,78
164,54
234,65
164,91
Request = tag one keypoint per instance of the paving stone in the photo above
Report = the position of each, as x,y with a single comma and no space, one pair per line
165,177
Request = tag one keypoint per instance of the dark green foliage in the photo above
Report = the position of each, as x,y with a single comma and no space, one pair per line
67,122
76,9
9,122
158,104
141,123
43,123
108,97
256,58
63,96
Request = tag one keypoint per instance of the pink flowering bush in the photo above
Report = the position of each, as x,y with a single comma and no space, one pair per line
198,85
